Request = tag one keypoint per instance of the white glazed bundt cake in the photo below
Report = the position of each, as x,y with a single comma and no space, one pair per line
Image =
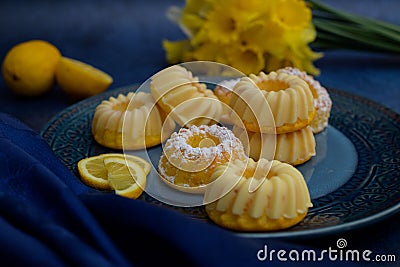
131,121
280,200
182,96
289,99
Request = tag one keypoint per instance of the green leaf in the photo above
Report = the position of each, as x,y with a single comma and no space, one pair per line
316,5
354,32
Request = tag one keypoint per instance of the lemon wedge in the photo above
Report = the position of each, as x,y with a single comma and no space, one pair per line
81,80
126,177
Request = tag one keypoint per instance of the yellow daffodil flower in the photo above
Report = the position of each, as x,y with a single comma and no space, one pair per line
250,35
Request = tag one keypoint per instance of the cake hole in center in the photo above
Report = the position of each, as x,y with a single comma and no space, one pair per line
204,141
273,86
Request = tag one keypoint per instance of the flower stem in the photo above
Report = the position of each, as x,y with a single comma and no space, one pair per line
339,29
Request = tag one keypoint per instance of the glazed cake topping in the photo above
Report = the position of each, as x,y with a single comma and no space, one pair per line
283,192
131,121
180,94
286,97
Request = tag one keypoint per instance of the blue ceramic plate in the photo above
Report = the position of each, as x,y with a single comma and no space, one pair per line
353,181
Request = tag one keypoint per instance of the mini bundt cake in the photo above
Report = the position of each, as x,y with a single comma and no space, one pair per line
289,99
280,200
188,101
191,155
131,121
322,101
294,148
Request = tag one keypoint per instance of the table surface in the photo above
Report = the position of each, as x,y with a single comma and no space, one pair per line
124,40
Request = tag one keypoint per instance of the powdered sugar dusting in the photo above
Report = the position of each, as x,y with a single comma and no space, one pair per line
179,146
182,154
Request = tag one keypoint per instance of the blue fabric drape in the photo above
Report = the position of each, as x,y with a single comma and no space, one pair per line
46,220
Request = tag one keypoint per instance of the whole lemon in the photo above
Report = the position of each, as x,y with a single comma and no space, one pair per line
29,67
80,80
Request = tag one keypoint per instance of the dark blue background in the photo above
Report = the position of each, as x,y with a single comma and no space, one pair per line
123,38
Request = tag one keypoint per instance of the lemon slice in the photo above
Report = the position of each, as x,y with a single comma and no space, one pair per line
93,172
81,80
144,164
127,178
